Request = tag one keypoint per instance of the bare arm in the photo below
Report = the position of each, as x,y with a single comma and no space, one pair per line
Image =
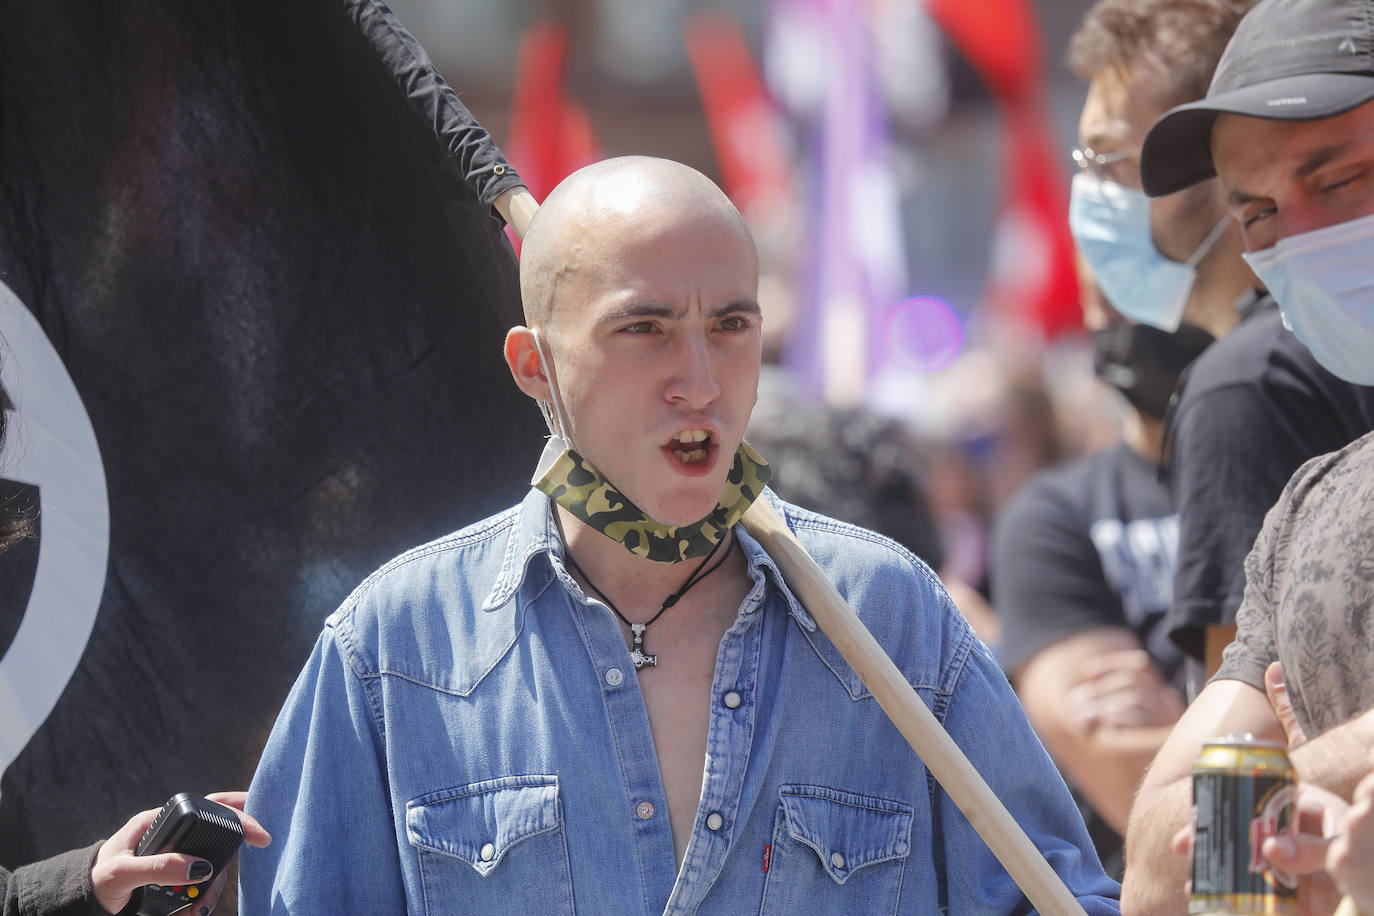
1104,760
1215,640
1338,758
1154,879
1351,857
1328,769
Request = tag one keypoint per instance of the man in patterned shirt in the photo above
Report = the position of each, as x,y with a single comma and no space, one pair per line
1288,127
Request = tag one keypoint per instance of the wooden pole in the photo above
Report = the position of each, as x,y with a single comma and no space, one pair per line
517,207
1347,908
937,750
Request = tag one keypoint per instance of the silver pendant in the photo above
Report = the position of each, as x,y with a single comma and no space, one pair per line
637,652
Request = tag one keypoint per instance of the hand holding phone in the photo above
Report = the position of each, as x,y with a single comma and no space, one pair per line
118,874
193,826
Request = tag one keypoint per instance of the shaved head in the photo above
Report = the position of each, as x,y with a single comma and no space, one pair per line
592,211
642,281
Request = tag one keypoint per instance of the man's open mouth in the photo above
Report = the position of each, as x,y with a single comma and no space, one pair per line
691,446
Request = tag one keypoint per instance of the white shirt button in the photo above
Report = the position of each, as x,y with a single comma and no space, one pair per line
614,676
645,810
732,700
488,852
837,860
714,820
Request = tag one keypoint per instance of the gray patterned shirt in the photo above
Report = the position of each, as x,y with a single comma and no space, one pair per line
1309,591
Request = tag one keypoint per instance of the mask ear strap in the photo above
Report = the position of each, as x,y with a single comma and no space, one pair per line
1211,239
554,416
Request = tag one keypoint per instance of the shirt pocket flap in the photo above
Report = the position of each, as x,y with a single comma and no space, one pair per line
479,823
847,831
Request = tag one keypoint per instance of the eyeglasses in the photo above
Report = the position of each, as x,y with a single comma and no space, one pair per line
1103,166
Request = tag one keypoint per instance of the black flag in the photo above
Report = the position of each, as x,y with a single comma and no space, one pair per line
253,296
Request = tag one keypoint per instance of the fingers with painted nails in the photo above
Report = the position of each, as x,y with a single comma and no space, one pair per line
118,872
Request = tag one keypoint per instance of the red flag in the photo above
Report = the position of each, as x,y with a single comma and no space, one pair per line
999,37
1032,273
550,134
745,126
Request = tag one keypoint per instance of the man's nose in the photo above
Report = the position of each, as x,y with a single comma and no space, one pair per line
693,379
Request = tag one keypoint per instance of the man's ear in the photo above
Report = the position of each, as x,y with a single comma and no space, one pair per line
522,357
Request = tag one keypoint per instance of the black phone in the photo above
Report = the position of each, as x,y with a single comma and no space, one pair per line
194,826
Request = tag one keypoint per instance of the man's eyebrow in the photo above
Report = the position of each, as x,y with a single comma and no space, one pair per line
1238,198
640,310
660,310
1312,162
748,306
1319,157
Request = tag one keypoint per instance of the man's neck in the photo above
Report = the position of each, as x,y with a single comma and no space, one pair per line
1216,311
1222,278
628,578
1144,435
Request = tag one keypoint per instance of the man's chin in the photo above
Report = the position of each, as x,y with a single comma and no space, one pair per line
682,509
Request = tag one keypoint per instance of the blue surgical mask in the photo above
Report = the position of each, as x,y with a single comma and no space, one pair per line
1111,226
1324,283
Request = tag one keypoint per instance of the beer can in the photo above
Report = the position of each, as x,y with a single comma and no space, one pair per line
1243,793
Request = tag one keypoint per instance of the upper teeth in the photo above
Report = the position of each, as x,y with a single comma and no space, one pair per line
692,435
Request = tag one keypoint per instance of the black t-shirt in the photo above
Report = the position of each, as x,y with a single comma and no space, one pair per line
1255,406
1086,545
1089,544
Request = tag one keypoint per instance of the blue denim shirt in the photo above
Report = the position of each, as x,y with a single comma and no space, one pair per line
469,737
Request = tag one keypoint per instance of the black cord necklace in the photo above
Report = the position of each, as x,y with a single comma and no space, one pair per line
637,654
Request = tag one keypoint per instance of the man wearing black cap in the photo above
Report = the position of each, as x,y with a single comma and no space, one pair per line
1258,404
1288,128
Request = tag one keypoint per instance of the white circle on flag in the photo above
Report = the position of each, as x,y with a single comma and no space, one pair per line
52,446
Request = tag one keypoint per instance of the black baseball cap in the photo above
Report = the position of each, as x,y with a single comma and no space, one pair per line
1291,60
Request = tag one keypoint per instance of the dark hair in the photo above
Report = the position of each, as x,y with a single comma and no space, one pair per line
853,465
15,520
1184,37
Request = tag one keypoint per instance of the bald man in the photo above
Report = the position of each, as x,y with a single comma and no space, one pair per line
606,700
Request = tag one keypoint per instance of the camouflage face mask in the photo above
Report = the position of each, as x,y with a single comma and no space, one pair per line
572,482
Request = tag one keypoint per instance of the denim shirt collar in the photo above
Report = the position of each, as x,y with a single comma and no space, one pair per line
536,533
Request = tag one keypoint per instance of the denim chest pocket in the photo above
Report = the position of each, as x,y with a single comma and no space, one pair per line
835,851
491,845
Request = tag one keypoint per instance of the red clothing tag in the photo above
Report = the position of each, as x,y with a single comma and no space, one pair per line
767,854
